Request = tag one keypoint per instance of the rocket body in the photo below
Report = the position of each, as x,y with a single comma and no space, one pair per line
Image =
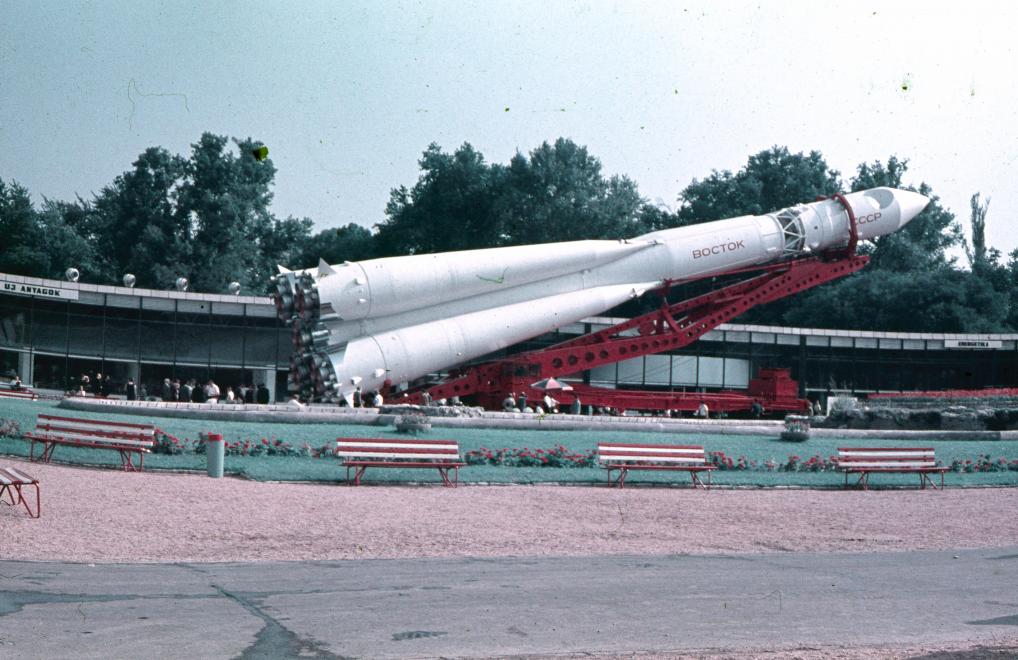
396,319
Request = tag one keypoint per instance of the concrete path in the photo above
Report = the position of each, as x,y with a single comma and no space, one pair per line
498,607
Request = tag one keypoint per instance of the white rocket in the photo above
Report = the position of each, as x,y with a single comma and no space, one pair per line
389,321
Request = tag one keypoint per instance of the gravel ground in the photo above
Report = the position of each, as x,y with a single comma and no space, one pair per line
110,516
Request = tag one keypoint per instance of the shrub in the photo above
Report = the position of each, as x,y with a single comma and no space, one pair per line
558,456
9,428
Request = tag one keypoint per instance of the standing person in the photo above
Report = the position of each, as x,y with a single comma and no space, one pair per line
131,390
817,408
249,396
376,400
212,392
358,400
522,402
107,386
97,385
702,411
230,396
197,391
167,390
263,393
182,392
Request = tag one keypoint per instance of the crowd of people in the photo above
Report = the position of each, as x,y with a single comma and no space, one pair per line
175,389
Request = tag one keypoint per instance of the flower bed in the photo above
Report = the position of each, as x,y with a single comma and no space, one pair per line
170,445
557,456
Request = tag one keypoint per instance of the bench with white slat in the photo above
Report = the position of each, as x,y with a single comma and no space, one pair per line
126,438
12,480
362,453
18,393
624,457
866,460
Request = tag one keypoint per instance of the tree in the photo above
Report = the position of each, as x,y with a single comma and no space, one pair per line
771,180
347,243
460,202
941,299
449,208
980,258
23,252
136,224
65,246
560,194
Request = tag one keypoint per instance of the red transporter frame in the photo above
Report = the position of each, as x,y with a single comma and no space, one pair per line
669,328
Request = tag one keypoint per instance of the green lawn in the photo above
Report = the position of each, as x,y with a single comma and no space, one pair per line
753,448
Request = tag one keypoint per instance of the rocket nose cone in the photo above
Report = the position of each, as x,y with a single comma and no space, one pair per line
910,204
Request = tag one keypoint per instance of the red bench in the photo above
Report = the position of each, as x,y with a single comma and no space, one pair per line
867,460
362,453
623,457
20,393
126,438
11,481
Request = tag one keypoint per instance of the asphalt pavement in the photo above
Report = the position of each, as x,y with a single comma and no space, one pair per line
505,606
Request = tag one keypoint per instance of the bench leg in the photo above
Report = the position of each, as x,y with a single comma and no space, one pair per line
444,472
38,501
861,482
357,474
697,483
127,461
9,489
446,481
924,479
47,451
18,497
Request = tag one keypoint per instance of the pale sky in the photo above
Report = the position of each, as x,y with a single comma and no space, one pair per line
348,94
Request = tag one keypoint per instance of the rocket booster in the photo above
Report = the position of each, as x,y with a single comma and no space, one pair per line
396,319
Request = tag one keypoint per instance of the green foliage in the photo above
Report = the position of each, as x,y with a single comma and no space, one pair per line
460,202
555,457
451,207
348,243
771,180
136,223
942,299
560,194
23,252
224,199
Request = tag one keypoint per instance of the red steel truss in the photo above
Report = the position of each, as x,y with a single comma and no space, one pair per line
669,328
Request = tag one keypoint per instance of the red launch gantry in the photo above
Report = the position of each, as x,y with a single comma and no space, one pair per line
669,328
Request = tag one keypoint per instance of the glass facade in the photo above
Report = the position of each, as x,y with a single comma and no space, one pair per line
144,338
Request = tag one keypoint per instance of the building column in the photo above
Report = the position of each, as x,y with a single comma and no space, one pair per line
269,378
134,372
25,370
